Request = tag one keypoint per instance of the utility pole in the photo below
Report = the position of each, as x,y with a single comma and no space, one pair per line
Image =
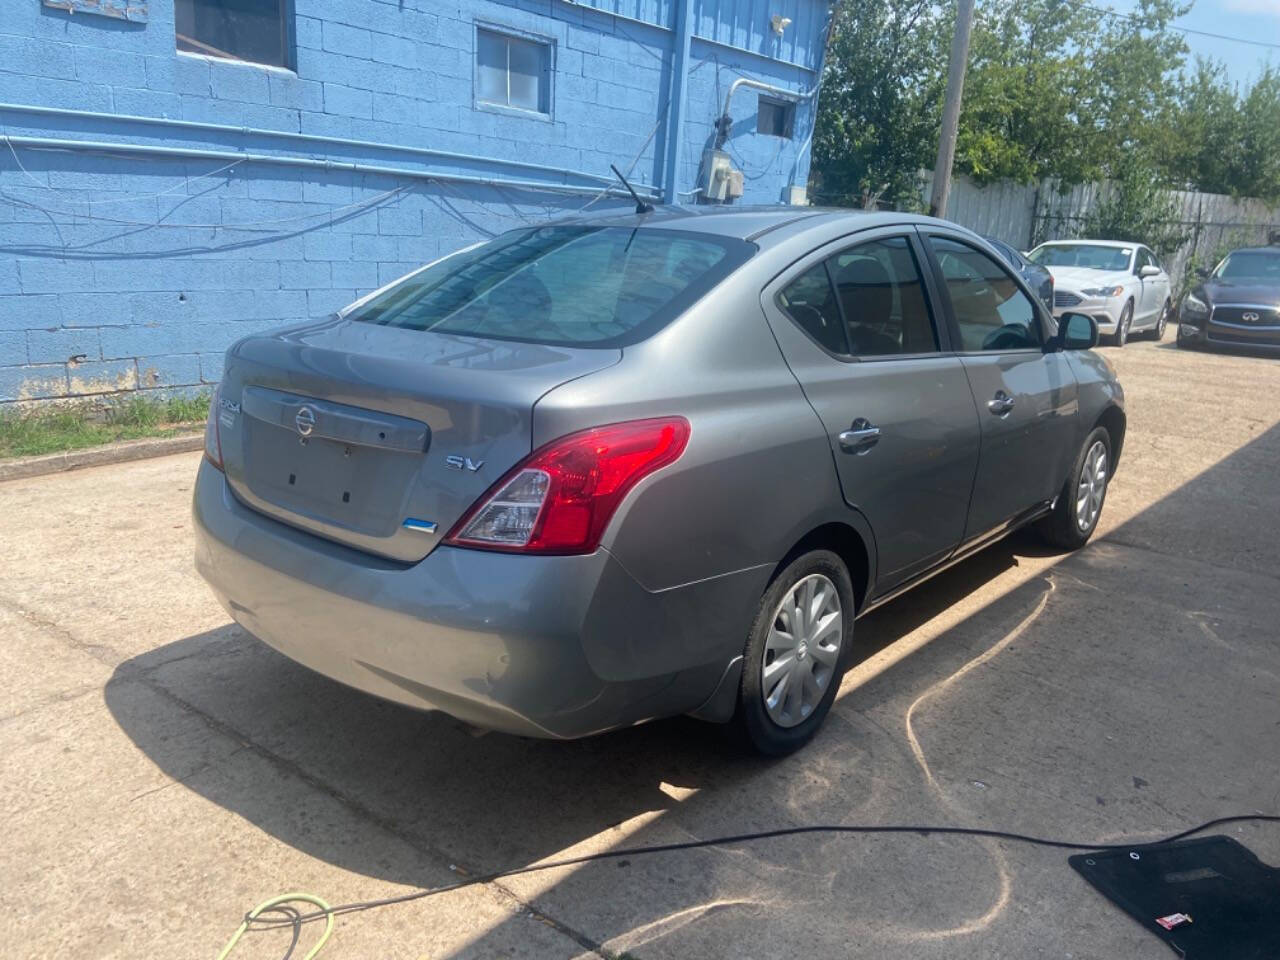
951,109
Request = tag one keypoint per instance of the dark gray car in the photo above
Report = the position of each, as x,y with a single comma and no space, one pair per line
1235,305
617,468
1038,278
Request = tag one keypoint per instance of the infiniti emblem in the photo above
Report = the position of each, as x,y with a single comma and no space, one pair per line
305,421
1249,317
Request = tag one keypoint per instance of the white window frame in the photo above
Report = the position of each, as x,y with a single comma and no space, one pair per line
512,33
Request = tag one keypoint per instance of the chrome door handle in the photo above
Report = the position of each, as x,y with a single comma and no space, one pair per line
1000,404
860,437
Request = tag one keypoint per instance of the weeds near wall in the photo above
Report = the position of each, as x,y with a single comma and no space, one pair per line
52,429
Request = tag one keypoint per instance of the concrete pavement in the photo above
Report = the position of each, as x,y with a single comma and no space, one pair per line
162,772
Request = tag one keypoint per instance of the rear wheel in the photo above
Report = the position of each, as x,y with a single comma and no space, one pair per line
1122,328
796,654
1075,516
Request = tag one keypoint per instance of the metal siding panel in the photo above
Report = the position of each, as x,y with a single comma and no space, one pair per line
746,25
657,12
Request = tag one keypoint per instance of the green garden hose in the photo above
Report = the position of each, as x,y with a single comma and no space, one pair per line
271,905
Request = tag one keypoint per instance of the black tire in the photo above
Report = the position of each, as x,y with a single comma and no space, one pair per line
1158,333
1121,336
752,725
1061,527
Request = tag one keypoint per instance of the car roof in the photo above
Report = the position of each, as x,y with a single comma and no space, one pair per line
1093,243
753,223
1264,249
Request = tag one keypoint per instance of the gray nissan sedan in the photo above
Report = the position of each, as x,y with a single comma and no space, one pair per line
620,467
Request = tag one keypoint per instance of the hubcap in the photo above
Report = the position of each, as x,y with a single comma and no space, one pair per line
801,651
1092,488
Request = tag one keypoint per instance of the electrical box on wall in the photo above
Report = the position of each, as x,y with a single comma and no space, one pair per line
720,181
735,183
795,196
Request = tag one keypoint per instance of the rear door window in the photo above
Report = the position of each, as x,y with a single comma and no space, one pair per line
990,309
882,297
565,285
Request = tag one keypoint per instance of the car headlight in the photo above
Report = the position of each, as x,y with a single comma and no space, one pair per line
1193,305
1103,292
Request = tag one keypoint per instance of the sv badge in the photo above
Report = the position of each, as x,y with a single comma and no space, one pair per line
463,463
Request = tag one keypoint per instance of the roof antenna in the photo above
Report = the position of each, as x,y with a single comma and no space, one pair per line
641,206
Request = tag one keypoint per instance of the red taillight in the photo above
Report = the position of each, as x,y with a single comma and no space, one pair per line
562,496
212,436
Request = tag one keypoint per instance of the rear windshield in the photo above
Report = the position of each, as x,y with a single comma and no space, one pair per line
562,285
1251,266
1087,255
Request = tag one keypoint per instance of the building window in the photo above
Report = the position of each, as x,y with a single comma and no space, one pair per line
775,118
513,72
256,31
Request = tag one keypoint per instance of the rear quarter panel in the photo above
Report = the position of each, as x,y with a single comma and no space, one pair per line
758,471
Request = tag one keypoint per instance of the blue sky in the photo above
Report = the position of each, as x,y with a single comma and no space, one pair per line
1251,19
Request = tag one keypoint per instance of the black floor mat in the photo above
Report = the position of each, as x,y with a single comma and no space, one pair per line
1231,898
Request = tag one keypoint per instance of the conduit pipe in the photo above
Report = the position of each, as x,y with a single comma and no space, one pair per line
100,146
224,128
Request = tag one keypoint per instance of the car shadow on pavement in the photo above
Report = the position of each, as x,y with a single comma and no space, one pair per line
418,772
1224,349
998,720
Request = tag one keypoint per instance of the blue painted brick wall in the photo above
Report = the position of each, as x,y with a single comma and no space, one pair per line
122,272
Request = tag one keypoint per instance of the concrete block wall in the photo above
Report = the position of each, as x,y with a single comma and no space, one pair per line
124,271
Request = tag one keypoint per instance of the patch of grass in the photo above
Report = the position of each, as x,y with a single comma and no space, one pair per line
54,429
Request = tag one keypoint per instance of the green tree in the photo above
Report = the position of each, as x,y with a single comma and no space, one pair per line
1220,140
1257,163
1200,124
1029,93
1059,89
879,111
1056,90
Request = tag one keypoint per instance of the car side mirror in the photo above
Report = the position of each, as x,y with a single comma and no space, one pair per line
1149,271
1077,331
1202,273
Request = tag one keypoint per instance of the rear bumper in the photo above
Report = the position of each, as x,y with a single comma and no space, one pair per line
538,646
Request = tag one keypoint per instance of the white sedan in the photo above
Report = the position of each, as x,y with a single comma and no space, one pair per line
1121,285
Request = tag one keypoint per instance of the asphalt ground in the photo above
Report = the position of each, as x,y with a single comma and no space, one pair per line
161,772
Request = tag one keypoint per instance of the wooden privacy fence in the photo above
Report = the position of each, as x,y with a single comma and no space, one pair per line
1026,214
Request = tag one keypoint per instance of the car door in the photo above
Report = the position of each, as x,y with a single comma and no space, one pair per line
856,323
1155,290
1025,394
1143,309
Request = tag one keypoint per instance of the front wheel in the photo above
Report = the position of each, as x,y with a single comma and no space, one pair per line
1122,328
1075,516
1185,343
1158,333
796,654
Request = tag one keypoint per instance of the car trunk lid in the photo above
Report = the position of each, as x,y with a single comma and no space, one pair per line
377,437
